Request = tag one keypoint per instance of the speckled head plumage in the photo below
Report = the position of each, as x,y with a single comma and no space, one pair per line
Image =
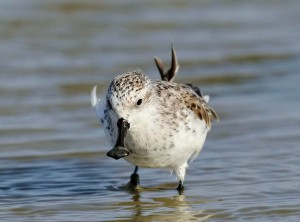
128,90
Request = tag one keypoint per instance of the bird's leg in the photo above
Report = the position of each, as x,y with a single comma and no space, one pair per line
180,187
134,178
119,150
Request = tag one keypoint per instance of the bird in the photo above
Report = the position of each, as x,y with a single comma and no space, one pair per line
154,123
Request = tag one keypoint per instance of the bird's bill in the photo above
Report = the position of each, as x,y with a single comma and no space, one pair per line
119,150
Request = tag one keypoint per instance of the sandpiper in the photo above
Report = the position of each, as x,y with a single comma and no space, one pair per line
154,123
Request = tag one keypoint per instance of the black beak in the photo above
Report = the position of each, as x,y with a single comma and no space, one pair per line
119,150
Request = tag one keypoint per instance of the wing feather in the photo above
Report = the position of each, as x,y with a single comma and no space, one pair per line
95,102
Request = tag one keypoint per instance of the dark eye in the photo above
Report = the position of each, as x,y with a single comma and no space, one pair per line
139,102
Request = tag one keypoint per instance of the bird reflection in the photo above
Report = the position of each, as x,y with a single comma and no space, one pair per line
174,208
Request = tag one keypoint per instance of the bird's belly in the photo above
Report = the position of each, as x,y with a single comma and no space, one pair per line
164,153
151,159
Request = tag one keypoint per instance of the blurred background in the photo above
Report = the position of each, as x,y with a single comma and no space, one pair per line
244,54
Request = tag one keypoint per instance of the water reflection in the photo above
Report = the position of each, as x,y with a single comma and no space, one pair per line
159,204
174,208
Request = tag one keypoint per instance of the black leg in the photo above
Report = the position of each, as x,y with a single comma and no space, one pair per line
134,178
180,187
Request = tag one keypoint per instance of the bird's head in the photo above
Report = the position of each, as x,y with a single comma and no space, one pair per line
129,94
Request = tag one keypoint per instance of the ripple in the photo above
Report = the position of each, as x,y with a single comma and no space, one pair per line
53,152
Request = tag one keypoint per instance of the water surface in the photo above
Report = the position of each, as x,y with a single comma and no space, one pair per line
246,55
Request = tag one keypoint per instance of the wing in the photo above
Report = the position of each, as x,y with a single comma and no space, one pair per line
198,105
96,103
184,96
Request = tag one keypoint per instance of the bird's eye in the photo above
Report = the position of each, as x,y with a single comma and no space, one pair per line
139,102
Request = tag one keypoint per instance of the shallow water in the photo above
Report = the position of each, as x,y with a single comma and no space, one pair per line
246,55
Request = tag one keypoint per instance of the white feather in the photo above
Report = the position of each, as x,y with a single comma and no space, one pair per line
94,99
95,102
206,98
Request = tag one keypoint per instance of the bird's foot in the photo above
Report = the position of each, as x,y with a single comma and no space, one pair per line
180,188
134,183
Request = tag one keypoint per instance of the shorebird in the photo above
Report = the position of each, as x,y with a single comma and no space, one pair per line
154,123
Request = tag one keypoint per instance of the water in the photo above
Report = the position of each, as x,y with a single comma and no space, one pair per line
246,55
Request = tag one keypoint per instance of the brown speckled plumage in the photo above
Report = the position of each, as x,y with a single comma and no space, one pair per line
184,97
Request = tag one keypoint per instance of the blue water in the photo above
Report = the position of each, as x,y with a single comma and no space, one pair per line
53,164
